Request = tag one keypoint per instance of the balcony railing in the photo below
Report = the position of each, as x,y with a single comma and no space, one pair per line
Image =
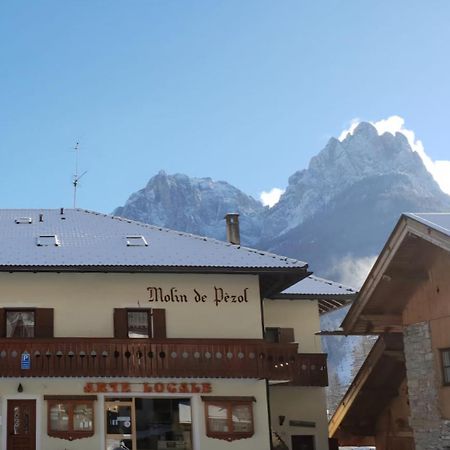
208,358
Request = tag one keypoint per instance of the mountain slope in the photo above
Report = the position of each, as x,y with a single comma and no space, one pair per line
194,205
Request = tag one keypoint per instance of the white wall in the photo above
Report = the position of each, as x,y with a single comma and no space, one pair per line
83,303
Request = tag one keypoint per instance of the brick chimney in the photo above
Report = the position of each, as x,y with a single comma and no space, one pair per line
232,222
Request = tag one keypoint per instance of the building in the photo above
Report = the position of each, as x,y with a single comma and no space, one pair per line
299,412
116,335
406,378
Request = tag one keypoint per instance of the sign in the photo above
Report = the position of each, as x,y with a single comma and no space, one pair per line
302,423
173,295
25,361
159,388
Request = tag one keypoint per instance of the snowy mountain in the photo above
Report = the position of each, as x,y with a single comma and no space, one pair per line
194,205
336,214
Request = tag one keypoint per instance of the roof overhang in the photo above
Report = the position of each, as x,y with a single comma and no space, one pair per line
271,280
373,388
401,267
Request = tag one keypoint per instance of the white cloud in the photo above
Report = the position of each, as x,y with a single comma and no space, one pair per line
353,271
272,197
439,169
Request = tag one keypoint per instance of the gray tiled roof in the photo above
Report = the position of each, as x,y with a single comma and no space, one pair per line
92,239
313,285
438,221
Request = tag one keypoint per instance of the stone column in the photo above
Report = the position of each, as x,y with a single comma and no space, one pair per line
431,432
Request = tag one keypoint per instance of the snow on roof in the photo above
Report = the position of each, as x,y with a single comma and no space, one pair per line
76,237
313,285
438,221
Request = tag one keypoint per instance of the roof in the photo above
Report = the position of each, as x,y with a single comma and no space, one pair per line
438,221
376,384
330,294
401,266
94,240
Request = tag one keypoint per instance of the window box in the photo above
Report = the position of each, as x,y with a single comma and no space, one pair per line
70,417
229,418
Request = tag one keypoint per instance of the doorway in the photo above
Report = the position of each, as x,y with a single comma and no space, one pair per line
303,442
21,428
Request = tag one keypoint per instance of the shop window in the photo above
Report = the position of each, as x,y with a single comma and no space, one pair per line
70,417
229,418
26,323
445,358
279,335
140,323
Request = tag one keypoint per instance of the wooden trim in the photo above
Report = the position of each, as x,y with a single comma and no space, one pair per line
212,398
70,397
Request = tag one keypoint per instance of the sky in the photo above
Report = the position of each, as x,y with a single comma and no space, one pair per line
241,91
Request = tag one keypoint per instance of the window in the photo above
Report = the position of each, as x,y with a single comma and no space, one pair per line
26,322
229,418
48,240
136,241
139,323
279,335
445,358
70,417
20,324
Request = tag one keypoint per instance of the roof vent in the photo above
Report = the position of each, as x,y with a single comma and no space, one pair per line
48,240
23,220
136,241
233,234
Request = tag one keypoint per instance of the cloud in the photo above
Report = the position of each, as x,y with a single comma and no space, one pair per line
439,169
353,271
272,197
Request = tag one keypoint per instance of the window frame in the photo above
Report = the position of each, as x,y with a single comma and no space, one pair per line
228,403
445,382
16,310
71,401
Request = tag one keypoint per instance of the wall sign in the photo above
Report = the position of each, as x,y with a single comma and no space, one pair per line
170,388
25,361
173,295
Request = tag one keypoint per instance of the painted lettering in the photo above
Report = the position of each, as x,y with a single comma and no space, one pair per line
199,297
156,294
222,296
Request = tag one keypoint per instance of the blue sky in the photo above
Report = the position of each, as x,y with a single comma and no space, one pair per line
243,91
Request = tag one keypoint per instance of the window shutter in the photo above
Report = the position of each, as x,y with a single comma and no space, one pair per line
43,327
2,323
286,335
159,323
120,323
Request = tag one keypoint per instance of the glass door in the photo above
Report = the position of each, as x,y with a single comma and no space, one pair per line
120,425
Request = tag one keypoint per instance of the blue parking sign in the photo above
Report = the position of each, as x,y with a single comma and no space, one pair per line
25,361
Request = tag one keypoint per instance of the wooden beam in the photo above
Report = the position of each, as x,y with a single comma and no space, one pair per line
383,319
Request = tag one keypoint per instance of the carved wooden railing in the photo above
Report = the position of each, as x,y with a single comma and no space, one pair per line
107,357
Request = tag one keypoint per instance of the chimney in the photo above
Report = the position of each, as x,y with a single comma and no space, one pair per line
41,217
233,235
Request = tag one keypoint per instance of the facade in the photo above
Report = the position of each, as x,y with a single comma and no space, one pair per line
118,335
406,298
299,413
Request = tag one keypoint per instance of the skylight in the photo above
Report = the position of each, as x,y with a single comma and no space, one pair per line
23,220
48,240
136,241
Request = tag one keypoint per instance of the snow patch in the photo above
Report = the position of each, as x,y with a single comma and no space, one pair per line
439,169
271,197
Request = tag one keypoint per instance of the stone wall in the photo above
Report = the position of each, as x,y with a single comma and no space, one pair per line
430,431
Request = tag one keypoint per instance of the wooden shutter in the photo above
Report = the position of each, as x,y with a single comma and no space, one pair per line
285,335
43,323
159,323
120,323
2,323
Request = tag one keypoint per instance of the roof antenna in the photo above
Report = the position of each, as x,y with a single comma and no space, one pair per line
76,178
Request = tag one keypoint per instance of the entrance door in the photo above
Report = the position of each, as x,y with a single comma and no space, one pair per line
303,443
21,425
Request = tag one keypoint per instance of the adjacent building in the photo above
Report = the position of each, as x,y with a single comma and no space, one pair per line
119,335
400,400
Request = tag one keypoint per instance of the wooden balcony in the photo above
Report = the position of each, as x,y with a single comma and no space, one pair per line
205,358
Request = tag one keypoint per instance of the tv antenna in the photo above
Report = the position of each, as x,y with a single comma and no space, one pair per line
76,178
